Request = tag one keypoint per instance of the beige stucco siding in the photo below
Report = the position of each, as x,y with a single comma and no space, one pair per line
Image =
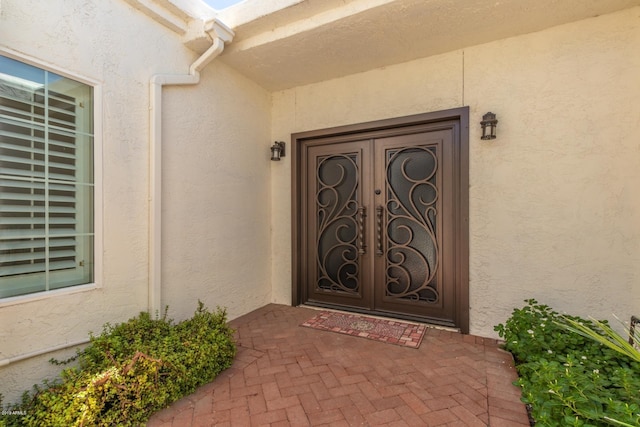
216,168
554,214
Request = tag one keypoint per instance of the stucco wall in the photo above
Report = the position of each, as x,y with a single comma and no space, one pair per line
216,198
121,48
553,210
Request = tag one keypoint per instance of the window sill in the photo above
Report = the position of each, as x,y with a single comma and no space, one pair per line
24,299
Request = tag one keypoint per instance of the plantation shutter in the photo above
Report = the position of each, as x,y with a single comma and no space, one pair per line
46,191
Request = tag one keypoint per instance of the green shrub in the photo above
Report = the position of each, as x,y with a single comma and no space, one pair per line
130,371
566,378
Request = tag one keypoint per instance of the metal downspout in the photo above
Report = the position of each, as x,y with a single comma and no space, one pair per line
155,168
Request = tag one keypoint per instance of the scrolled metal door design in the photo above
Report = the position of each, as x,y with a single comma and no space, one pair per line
379,215
339,238
411,250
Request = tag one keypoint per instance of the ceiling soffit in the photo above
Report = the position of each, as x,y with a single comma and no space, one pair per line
314,40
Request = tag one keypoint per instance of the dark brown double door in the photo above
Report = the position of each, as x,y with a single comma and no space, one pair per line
379,213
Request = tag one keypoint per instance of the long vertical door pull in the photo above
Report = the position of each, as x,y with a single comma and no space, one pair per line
362,214
379,230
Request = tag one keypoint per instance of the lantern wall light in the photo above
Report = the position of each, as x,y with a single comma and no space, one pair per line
277,151
489,125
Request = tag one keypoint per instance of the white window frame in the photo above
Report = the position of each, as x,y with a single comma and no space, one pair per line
97,182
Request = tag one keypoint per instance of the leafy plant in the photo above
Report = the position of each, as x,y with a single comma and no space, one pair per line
130,371
568,378
604,334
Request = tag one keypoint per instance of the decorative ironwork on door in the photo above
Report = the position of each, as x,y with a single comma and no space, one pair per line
411,252
379,224
339,221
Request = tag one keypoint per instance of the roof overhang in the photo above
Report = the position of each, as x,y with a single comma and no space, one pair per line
286,43
196,22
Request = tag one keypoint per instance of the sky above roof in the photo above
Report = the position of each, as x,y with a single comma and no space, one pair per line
221,4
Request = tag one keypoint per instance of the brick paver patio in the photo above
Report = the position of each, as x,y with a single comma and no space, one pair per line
287,375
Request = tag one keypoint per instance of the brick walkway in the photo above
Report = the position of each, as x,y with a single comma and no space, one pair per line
287,375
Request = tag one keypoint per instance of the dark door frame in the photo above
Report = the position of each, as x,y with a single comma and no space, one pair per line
460,185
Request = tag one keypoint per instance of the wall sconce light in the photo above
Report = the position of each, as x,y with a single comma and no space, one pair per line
489,125
277,151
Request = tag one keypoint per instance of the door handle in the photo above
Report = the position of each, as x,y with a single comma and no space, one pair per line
362,214
379,230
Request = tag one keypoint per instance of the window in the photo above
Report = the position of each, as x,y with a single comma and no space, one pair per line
46,180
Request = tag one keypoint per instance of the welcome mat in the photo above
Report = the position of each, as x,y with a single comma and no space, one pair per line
383,330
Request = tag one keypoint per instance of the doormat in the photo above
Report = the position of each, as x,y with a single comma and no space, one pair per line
384,330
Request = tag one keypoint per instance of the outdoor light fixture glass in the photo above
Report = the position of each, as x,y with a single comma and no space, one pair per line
277,151
489,124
